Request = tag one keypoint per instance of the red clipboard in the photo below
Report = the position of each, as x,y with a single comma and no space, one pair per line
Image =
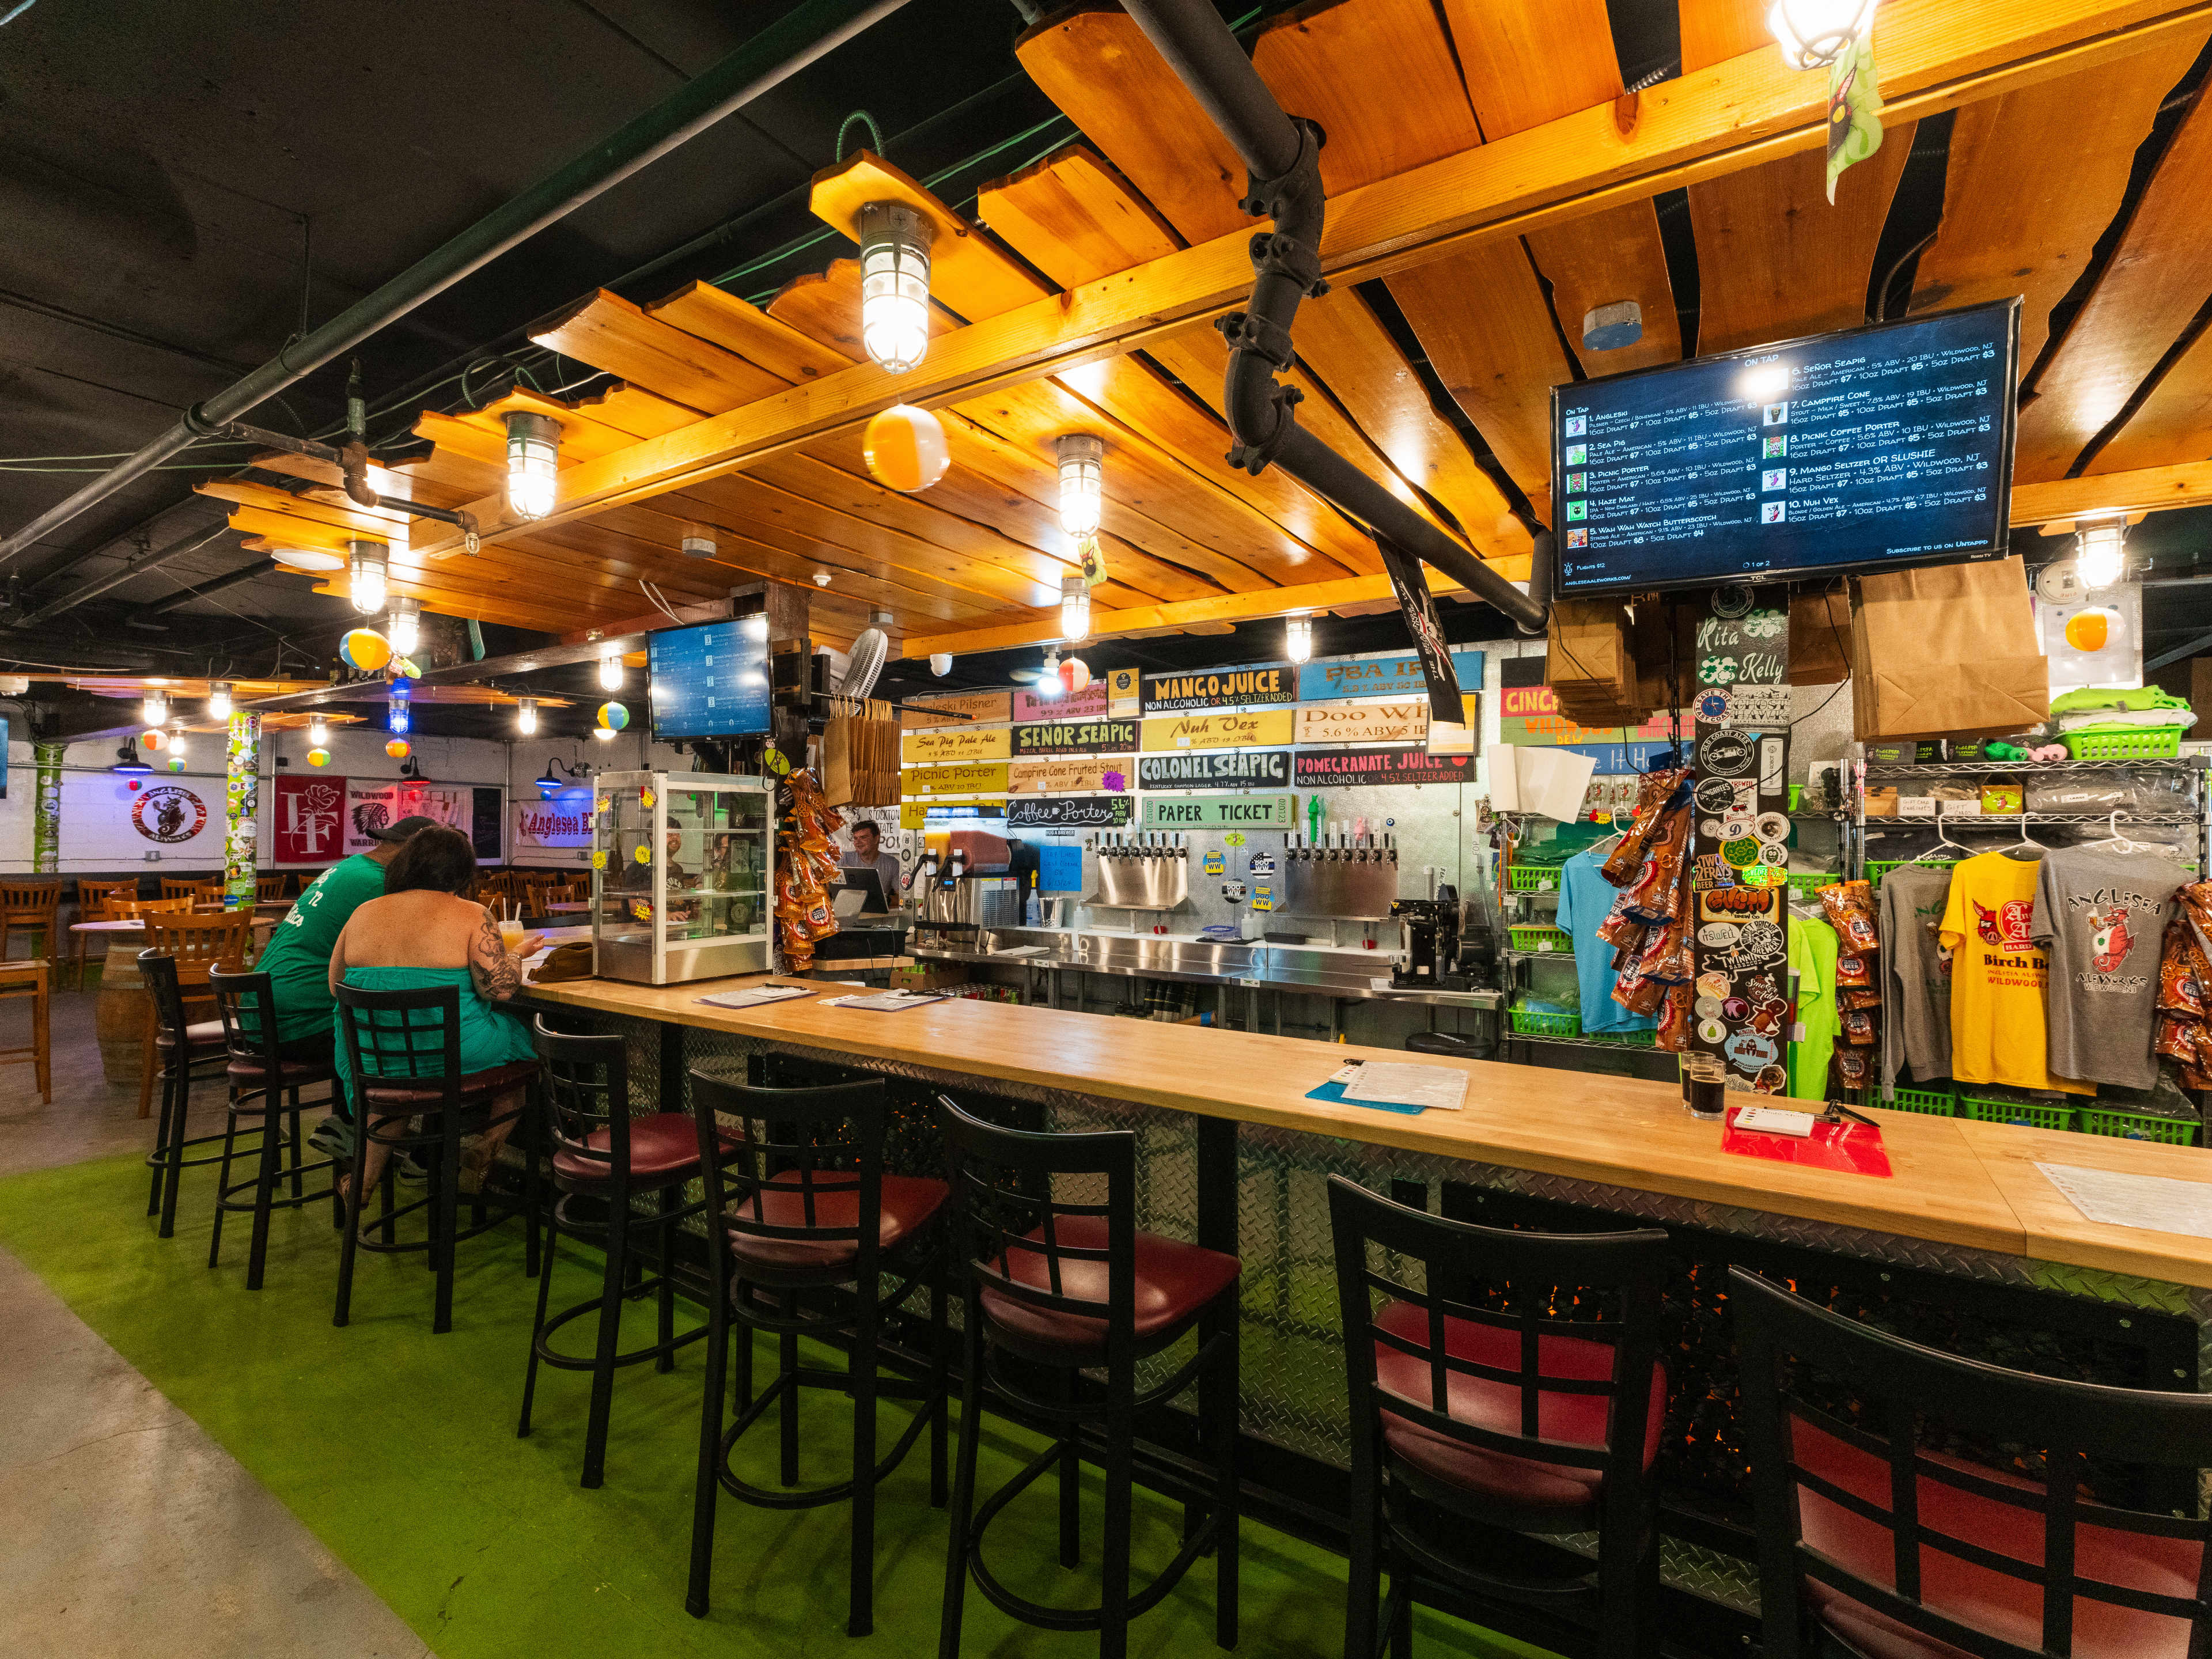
1855,1148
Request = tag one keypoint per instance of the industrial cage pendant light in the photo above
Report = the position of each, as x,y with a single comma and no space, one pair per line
1075,609
1297,638
154,708
2102,552
895,241
1813,33
526,716
533,462
1082,484
404,626
369,565
611,671
219,704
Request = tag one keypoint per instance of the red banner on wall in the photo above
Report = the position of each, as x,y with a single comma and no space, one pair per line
310,820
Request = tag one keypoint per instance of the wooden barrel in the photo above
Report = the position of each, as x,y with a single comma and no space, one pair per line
119,1013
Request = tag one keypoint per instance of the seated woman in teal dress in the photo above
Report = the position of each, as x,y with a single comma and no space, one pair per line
423,934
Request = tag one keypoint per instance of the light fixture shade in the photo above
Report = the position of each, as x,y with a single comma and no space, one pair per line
397,715
611,671
533,462
526,716
403,626
1814,33
698,547
603,734
368,565
318,731
219,701
2102,544
155,709
1297,638
1082,484
895,284
1074,609
1049,682
940,663
550,782
177,744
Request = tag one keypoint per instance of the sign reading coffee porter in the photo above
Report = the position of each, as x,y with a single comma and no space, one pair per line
1321,768
1219,811
1211,769
1076,738
1096,812
1219,688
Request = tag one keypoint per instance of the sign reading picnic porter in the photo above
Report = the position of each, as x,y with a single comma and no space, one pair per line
1213,769
1100,737
1219,688
1326,768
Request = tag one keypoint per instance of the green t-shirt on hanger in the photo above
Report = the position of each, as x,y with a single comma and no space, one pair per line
1812,959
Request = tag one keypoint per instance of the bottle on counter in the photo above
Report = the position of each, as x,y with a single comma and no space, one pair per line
1033,915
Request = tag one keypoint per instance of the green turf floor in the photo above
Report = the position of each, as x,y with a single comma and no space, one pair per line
397,1449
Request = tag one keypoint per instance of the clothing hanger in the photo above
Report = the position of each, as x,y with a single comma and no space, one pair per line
2122,843
2026,840
1943,840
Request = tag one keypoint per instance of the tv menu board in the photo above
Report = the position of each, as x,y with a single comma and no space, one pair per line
1890,444
710,681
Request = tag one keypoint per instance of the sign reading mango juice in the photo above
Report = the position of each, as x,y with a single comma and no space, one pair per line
1168,733
1219,687
956,743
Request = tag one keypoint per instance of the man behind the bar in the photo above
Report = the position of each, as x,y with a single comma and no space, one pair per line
868,853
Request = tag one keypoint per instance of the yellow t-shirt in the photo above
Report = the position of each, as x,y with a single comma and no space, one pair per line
1999,979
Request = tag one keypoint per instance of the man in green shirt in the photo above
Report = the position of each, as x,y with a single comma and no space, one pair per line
297,958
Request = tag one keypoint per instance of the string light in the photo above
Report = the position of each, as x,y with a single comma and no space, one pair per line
155,709
219,701
1297,638
894,283
1082,484
526,717
403,626
533,462
368,575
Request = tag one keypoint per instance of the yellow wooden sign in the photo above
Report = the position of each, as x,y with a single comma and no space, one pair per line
915,814
957,743
969,778
1121,693
958,708
1165,734
1363,722
1075,775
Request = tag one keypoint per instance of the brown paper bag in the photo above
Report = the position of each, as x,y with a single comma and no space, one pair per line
1586,656
1948,651
1819,637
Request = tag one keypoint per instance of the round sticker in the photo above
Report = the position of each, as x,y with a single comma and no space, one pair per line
1235,838
1732,600
1710,829
1726,754
1707,1008
599,858
644,854
1714,795
1741,854
1736,1008
1712,705
1762,943
1774,855
1772,826
1711,1030
1770,1080
1719,935
1735,828
774,759
1750,1053
1714,984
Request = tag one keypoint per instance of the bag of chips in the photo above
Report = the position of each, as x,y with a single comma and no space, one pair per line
1849,907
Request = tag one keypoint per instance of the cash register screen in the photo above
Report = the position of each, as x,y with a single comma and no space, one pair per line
858,892
1855,451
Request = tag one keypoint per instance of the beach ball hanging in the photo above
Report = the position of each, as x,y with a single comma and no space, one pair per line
2090,630
400,749
366,649
318,757
176,762
1075,676
905,448
613,716
154,740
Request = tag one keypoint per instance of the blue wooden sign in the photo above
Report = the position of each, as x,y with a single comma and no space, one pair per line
1381,677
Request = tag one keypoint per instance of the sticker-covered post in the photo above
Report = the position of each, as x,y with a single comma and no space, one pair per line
241,811
46,808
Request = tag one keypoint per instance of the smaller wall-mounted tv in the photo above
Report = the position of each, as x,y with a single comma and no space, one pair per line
710,681
1873,448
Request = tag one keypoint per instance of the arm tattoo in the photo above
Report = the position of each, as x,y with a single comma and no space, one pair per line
489,968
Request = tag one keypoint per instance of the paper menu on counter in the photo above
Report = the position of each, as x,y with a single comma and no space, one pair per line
755,996
1439,1087
887,1002
2156,1203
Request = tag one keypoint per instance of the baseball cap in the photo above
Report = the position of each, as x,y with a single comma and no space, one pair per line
404,829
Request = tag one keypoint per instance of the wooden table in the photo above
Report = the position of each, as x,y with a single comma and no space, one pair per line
119,1015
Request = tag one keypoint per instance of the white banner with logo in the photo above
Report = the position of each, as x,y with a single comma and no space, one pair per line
114,820
555,830
377,805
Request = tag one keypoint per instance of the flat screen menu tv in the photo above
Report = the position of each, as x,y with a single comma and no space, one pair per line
710,681
1890,444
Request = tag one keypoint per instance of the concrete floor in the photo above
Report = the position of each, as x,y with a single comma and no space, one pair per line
130,1531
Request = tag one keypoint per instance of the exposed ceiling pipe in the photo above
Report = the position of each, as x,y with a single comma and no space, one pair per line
245,573
1284,158
136,566
785,46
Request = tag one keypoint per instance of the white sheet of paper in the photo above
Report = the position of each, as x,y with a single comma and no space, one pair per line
887,1002
2154,1203
1437,1086
1553,781
754,996
1774,1120
1504,777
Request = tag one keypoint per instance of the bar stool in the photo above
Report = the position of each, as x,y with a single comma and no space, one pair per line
1075,1287
807,1216
601,1151
1872,1542
180,1044
266,1076
1475,1416
199,943
419,1074
29,978
35,906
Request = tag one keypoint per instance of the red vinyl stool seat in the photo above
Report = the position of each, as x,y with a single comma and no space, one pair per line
389,1094
662,1147
909,1204
1176,1283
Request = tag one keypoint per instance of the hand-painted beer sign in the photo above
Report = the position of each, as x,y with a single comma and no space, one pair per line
972,778
1092,812
1323,769
955,743
1087,704
1219,811
1364,722
1219,687
1073,775
1076,738
1381,677
1168,733
958,708
1212,769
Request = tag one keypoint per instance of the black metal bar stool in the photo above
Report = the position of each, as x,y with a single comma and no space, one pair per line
417,1074
1875,1544
1073,1287
180,1044
601,1152
266,1076
1483,1423
810,1226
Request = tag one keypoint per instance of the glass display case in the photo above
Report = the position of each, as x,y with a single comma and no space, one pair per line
680,866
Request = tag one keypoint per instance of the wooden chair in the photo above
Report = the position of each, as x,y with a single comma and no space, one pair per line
33,904
272,889
131,910
93,899
198,943
183,887
29,978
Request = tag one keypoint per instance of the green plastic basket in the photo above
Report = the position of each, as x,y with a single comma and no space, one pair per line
1877,868
1806,883
1543,941
1627,1039
1936,1103
1532,878
1532,1022
2033,1114
2136,1126
2152,743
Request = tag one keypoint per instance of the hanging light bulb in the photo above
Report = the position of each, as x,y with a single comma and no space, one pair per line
368,565
155,709
526,716
611,671
1049,682
1297,638
403,626
894,283
533,462
1074,609
219,701
1082,482
1813,33
177,743
2102,556
397,717
603,734
318,731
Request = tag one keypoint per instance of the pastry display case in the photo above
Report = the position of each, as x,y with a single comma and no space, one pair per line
680,865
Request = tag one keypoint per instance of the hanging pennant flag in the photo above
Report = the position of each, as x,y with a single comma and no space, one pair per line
1094,560
1854,109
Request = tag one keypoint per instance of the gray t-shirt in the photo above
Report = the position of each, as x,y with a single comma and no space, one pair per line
886,867
2101,915
1916,973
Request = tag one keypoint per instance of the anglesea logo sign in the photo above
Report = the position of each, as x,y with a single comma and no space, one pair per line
1219,687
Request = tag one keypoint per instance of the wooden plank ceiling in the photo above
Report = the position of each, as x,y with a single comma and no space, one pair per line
1435,383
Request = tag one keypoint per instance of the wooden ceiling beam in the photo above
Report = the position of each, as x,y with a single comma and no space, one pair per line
2149,489
1737,113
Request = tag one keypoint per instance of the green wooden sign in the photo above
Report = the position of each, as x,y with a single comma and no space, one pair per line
1219,812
